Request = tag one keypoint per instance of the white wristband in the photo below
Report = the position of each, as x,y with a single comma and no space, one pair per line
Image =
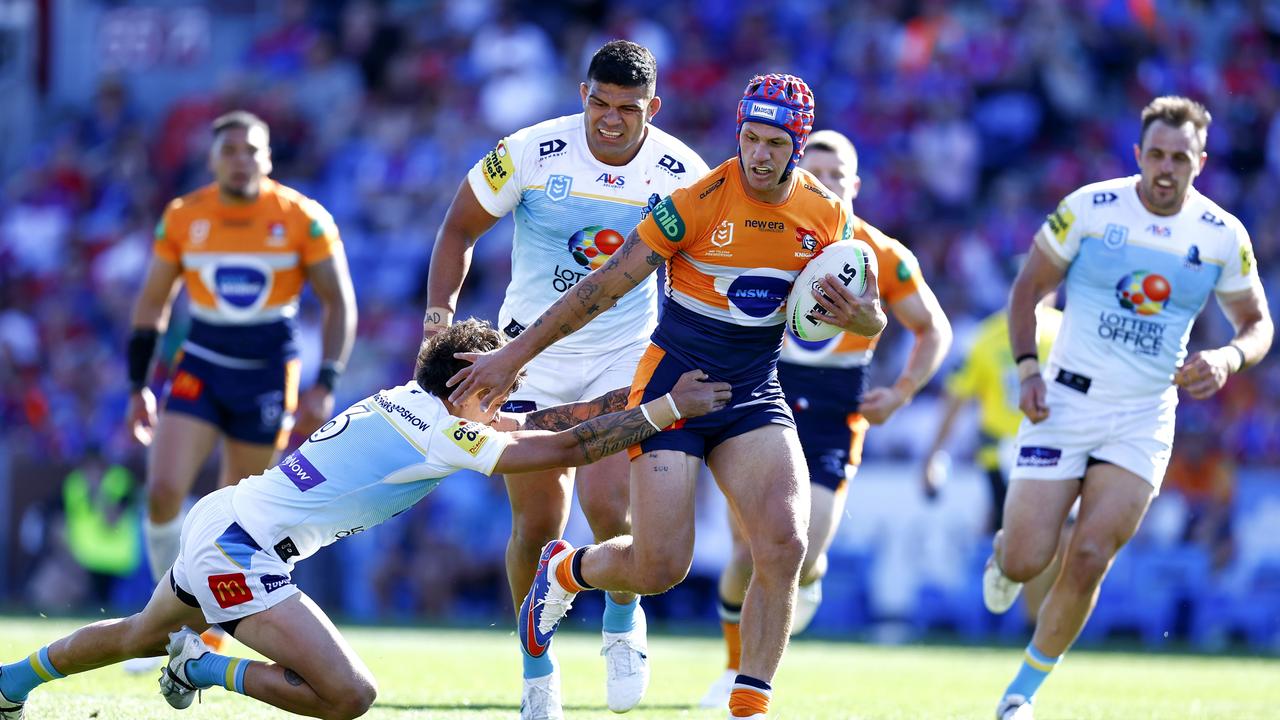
645,411
674,410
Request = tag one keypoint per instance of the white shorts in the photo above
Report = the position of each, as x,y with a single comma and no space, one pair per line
218,563
558,378
1138,439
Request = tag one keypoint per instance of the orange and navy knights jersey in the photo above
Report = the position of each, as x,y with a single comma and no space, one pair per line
731,261
244,265
898,278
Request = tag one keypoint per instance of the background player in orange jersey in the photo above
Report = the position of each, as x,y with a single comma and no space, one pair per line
244,245
824,382
733,243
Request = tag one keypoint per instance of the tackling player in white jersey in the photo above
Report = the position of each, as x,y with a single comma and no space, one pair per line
1140,256
577,185
373,461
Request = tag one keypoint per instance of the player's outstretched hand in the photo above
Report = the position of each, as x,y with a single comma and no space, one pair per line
490,375
857,314
1032,400
141,415
315,407
1204,372
880,403
695,395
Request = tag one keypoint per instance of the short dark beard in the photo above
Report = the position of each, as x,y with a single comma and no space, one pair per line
237,194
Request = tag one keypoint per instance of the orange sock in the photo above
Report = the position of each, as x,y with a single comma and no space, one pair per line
564,573
747,701
733,643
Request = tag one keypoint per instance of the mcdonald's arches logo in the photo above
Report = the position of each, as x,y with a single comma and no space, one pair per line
230,590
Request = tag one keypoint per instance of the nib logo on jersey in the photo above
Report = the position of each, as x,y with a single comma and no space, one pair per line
1143,294
593,245
755,296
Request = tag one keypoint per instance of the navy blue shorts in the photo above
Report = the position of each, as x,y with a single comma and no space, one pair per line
249,405
754,404
825,404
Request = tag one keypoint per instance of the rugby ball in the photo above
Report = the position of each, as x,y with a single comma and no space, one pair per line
848,261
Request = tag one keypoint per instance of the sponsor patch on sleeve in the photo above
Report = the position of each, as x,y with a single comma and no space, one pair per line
1060,222
1246,258
470,436
904,271
669,220
497,167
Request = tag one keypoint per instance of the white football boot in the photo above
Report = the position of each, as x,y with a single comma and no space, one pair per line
998,592
1014,707
718,694
10,710
808,598
175,686
540,699
626,662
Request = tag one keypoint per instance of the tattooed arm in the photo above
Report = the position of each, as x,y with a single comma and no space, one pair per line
587,442
493,373
563,417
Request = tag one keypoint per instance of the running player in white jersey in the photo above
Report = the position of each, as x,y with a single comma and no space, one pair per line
577,185
374,461
1140,255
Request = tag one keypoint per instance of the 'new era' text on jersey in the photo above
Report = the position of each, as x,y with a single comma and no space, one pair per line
731,261
375,460
1136,282
571,213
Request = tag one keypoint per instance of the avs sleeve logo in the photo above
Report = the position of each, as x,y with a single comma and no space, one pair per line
497,167
1104,198
672,165
668,220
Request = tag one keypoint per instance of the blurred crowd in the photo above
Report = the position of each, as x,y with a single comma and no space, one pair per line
972,119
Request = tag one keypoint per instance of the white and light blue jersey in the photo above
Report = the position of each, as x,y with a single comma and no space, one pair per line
1136,282
571,213
374,461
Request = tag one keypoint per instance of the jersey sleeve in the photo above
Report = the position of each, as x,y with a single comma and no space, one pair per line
468,444
667,229
1240,271
321,232
493,179
899,271
169,234
1060,234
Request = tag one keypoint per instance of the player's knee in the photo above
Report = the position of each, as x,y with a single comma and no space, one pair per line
661,574
530,531
353,699
1023,566
781,553
1087,561
1022,562
165,495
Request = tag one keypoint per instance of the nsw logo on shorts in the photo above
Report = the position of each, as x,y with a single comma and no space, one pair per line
1038,456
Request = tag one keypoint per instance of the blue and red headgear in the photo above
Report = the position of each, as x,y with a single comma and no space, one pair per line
783,101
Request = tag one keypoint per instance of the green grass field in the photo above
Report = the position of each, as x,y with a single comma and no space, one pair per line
428,673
